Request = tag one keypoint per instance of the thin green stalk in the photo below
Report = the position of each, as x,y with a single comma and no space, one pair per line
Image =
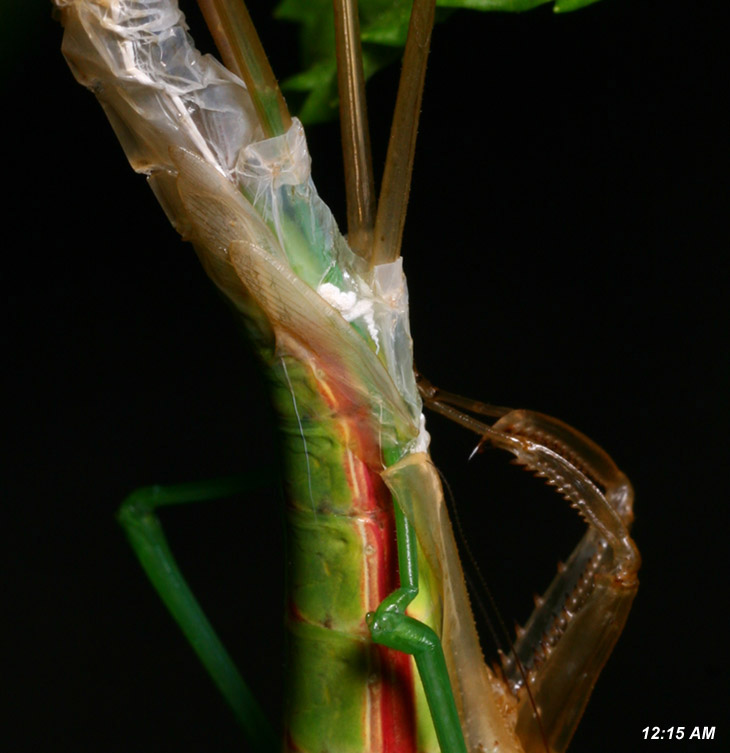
240,47
396,186
359,182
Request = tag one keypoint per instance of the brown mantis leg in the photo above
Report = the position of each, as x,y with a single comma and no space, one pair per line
572,631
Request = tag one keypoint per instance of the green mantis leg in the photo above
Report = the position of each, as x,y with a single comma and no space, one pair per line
390,626
138,517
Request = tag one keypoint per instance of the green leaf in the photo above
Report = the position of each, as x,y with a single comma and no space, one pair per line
506,6
563,6
383,28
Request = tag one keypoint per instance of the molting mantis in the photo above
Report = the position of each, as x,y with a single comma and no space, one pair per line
374,576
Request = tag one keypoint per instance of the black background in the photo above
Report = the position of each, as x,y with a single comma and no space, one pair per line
565,252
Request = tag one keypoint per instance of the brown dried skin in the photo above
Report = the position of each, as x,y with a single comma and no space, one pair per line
193,103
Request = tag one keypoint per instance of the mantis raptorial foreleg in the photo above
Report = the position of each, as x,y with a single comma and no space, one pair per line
571,633
137,515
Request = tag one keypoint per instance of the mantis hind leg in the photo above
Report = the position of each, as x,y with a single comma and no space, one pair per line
390,626
138,517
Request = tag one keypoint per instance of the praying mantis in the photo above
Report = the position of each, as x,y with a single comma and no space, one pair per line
332,328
